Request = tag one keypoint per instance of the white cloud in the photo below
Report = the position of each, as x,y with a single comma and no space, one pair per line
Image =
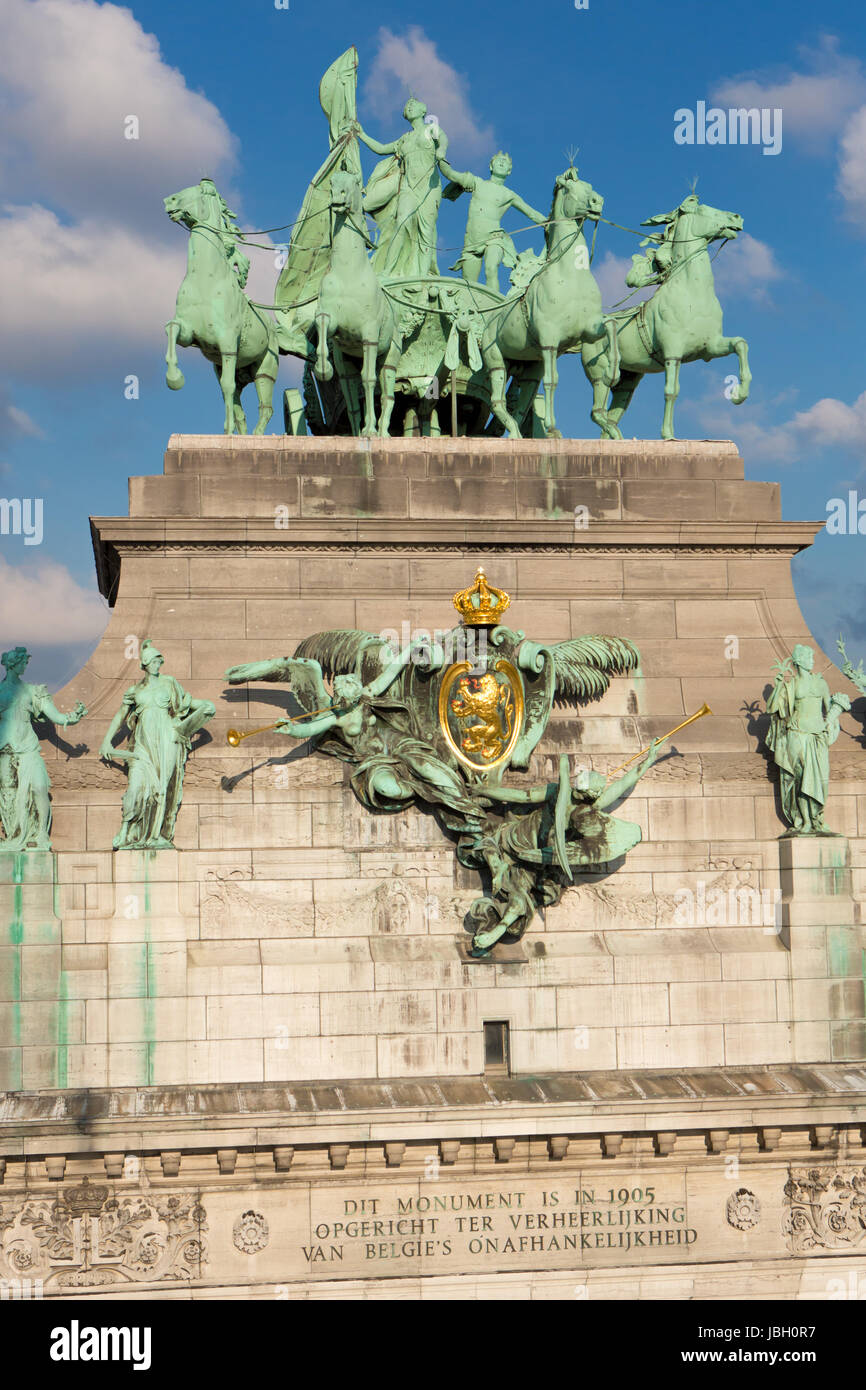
409,65
815,106
72,71
91,264
829,423
851,181
745,266
833,422
44,605
813,103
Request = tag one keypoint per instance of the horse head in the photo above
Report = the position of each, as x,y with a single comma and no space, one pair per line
573,197
346,193
705,222
199,204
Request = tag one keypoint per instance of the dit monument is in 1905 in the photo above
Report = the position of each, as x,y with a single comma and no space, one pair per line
504,956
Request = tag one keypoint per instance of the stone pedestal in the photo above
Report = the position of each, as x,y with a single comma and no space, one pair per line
826,995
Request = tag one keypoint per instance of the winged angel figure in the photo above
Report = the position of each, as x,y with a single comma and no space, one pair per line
381,718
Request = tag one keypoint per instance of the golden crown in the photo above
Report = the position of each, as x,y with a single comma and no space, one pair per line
482,605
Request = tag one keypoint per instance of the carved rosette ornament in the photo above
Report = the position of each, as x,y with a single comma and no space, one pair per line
743,1209
87,1237
250,1232
826,1209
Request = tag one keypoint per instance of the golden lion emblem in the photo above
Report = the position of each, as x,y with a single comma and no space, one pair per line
484,699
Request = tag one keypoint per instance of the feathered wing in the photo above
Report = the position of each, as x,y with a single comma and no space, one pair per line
584,666
347,651
304,677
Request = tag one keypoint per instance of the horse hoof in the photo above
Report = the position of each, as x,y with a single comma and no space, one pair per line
554,434
174,380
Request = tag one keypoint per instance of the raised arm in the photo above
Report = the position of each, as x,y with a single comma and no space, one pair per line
375,145
48,710
625,784
306,728
393,669
467,181
531,213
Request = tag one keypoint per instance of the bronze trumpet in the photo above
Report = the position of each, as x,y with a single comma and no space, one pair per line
704,709
233,738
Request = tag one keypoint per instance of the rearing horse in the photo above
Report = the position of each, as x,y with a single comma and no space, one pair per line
559,310
213,313
681,323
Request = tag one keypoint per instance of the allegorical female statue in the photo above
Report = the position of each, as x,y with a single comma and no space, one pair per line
25,806
403,195
161,718
804,721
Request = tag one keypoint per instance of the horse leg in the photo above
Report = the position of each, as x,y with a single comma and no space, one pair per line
174,375
621,398
368,378
672,390
495,364
387,378
228,384
323,369
723,347
522,391
265,379
348,386
612,350
551,377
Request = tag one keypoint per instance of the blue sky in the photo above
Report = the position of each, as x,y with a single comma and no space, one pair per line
90,263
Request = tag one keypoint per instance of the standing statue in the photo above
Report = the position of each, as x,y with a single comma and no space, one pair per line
161,718
485,242
403,195
559,310
804,721
25,805
682,322
213,313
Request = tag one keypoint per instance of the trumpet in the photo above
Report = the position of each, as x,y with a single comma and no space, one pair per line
233,738
704,709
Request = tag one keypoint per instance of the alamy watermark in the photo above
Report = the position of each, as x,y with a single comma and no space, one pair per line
738,125
22,516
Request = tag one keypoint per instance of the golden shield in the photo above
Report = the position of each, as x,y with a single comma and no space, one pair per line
481,713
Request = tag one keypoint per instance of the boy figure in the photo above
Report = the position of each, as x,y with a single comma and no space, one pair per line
485,241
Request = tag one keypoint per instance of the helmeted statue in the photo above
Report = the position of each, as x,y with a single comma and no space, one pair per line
161,718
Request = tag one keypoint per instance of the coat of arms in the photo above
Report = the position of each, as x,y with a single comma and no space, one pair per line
442,719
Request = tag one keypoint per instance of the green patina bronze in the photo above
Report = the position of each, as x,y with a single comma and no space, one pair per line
682,322
25,804
804,721
439,723
390,345
162,718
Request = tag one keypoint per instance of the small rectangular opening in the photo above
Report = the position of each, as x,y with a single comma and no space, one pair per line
496,1059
